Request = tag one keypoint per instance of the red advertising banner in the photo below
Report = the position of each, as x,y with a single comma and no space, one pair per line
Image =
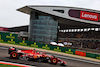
89,15
80,53
84,15
4,29
99,17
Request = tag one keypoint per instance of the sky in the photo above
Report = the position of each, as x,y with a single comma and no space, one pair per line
10,17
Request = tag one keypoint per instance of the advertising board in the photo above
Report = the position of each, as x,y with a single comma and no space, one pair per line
89,15
86,15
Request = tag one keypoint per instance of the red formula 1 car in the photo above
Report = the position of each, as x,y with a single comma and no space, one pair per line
34,55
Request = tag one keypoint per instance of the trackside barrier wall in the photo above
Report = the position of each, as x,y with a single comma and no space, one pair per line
80,53
93,55
86,54
12,38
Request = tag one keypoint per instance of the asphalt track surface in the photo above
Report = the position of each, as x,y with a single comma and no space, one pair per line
70,63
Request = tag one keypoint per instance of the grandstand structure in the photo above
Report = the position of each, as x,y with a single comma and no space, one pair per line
73,23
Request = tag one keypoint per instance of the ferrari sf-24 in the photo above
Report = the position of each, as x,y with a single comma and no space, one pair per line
34,55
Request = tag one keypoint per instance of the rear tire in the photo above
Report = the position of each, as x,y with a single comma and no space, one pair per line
14,55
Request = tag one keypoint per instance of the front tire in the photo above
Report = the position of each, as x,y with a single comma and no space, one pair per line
54,60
